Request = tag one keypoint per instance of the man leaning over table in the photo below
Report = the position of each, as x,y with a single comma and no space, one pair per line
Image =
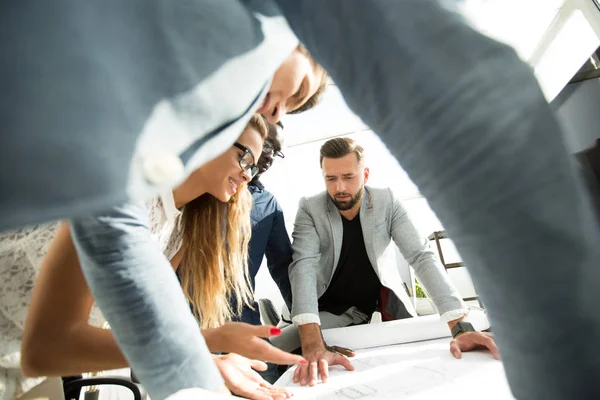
343,271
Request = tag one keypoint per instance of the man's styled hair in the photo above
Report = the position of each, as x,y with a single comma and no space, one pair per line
340,147
315,98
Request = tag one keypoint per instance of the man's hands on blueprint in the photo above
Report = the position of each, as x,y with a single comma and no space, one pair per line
320,356
468,341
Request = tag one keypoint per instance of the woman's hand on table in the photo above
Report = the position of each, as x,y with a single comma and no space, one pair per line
242,379
247,340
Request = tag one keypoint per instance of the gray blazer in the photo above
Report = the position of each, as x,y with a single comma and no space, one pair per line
317,242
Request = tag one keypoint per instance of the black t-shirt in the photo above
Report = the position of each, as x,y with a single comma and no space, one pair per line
354,282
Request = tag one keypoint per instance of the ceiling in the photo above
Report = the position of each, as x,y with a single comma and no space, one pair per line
520,23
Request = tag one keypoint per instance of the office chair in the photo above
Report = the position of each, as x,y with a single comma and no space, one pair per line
72,386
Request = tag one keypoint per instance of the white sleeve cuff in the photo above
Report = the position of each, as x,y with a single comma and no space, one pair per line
454,314
307,318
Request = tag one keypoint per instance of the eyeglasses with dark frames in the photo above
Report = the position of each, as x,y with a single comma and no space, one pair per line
268,148
247,161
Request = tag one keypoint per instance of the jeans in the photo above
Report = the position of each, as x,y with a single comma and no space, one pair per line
467,121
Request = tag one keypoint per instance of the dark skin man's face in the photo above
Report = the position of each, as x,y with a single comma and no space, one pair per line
271,147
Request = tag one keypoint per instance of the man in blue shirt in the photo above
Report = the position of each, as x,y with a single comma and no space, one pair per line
269,235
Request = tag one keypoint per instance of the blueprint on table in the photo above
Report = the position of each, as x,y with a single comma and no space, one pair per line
413,369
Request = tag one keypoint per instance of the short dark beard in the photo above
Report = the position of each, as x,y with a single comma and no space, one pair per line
348,204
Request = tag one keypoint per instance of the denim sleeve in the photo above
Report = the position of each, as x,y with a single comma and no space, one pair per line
279,256
139,295
467,121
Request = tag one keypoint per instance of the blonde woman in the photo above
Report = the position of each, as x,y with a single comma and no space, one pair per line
58,340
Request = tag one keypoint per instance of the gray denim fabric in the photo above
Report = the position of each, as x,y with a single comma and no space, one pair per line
94,91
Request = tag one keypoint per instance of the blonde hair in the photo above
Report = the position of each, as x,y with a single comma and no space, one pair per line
214,266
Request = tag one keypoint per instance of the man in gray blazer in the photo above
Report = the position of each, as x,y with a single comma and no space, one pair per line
344,269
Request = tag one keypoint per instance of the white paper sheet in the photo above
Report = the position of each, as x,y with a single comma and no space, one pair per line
421,370
396,332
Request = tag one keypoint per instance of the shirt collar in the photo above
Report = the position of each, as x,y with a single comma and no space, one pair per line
257,184
169,205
